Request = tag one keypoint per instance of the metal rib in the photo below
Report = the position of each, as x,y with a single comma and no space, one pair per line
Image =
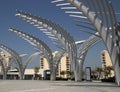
100,10
64,8
94,7
63,4
73,12
32,40
55,1
113,12
77,16
111,19
42,23
106,17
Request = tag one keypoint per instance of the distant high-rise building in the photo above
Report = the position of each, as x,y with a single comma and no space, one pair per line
64,65
6,58
106,60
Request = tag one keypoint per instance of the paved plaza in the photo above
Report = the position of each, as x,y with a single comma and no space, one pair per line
55,86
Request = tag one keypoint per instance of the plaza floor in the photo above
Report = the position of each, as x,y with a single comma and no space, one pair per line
55,86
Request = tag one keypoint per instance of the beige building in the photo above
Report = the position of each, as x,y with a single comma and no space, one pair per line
6,59
64,65
106,61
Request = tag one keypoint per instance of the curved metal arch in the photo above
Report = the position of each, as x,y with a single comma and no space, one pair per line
78,17
56,61
31,57
106,37
82,51
98,9
37,43
13,53
4,67
85,46
15,56
80,42
22,66
42,46
42,24
59,33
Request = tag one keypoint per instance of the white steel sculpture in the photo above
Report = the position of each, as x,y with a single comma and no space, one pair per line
40,45
18,60
46,51
82,51
53,31
97,13
5,66
14,55
80,20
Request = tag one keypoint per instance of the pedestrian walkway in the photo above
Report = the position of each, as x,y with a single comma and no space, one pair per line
55,86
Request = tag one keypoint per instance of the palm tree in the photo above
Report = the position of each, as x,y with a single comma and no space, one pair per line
71,74
99,71
93,72
68,73
63,73
108,70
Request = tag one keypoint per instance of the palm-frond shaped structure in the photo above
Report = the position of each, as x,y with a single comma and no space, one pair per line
5,66
84,25
44,49
16,58
101,15
53,31
82,51
39,44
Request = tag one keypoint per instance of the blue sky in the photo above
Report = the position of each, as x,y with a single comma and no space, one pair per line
45,9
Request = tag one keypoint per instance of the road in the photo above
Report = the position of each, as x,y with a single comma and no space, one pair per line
55,86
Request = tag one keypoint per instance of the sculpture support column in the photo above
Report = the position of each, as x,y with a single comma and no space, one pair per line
5,69
101,29
21,74
53,73
5,74
79,70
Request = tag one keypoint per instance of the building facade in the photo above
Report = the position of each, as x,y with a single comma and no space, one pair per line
64,65
6,58
106,61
